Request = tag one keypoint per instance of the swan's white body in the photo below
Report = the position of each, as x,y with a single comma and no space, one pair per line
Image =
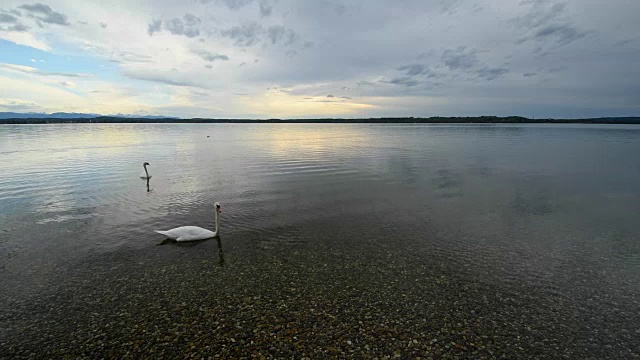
145,173
192,233
188,233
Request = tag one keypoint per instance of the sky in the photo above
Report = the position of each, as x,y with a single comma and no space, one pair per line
322,58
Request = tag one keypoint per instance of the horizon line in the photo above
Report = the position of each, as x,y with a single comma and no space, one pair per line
487,119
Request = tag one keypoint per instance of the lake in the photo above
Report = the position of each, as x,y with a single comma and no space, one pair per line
337,240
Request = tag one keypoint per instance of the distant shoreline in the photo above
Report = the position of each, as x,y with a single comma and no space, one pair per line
388,120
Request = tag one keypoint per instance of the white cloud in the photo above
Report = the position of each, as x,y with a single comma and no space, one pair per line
379,57
279,103
67,84
34,71
26,39
17,105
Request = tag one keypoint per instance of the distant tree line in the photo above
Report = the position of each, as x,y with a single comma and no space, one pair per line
391,120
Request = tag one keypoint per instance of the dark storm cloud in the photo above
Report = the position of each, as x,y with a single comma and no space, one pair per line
265,8
45,14
244,35
625,42
13,23
557,69
19,27
275,33
365,83
418,70
188,25
211,57
563,34
8,18
235,4
449,6
155,26
488,73
412,69
279,33
547,24
460,58
252,33
404,81
15,12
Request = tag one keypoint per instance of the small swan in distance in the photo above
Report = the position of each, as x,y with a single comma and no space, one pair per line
145,174
192,233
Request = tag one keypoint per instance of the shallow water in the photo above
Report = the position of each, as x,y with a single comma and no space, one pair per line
546,215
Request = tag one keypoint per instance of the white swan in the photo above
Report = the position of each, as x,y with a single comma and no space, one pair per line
145,173
192,233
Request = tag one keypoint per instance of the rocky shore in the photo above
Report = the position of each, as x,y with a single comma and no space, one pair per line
315,300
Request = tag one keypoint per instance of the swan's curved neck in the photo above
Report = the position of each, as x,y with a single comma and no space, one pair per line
145,169
217,222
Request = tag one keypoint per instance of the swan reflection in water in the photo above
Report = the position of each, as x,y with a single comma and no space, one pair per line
145,174
194,243
192,235
220,253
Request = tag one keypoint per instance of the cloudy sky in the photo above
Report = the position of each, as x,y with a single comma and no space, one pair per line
322,58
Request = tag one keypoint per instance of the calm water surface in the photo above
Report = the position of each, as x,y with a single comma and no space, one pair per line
547,215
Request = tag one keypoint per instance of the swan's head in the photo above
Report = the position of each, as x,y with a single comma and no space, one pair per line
145,163
218,208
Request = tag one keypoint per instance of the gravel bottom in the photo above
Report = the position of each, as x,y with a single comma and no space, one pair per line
317,301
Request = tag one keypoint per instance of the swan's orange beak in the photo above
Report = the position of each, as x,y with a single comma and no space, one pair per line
219,210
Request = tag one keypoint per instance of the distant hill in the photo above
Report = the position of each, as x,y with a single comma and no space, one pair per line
39,118
64,115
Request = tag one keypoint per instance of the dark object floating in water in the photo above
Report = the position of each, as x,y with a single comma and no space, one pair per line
145,173
207,135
